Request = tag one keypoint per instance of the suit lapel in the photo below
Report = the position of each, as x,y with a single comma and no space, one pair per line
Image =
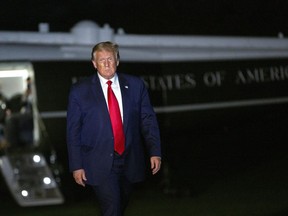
125,92
98,93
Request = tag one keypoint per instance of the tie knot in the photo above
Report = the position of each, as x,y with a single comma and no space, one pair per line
109,82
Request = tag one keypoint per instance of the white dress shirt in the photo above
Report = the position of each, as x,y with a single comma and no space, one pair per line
116,89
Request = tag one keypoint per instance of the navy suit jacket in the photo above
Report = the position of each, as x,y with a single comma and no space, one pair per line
89,131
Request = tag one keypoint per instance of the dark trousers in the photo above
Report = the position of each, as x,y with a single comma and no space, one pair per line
113,194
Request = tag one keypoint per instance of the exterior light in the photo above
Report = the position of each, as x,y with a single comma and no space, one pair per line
24,193
47,180
36,158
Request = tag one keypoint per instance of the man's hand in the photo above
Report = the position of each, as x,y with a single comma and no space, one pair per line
155,164
79,176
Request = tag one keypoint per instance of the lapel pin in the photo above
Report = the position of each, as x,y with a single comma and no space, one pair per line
126,87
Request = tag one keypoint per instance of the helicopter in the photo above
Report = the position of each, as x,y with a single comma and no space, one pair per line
183,74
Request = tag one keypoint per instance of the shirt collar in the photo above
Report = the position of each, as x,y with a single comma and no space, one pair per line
104,81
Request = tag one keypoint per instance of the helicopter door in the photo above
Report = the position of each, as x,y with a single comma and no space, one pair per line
23,165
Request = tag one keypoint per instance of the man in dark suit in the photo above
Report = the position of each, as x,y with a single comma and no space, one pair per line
91,136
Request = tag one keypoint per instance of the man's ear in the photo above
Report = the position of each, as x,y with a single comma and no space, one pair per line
94,64
117,63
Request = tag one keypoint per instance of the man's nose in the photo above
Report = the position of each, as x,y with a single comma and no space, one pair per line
106,63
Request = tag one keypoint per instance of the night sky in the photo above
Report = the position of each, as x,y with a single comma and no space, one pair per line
184,17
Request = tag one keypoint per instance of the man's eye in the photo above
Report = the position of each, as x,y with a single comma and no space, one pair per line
104,60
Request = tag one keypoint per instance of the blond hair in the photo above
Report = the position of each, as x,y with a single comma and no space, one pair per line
106,46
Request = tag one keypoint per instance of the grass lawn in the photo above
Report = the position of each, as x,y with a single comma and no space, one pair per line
258,191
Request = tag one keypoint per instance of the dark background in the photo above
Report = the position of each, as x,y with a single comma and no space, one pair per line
197,17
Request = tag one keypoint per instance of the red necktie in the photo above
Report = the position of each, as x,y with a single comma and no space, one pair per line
116,121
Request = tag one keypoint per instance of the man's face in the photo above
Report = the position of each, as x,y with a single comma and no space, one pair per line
106,63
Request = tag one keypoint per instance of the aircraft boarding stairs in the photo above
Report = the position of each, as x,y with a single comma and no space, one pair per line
30,179
25,170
